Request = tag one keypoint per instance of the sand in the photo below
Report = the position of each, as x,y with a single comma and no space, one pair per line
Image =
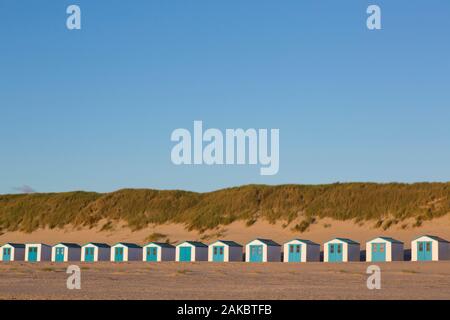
174,281
321,231
236,281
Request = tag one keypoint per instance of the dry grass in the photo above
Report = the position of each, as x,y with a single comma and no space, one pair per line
386,203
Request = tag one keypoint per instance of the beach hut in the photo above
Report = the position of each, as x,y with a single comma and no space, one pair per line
299,250
225,251
384,249
123,252
262,250
63,252
341,250
191,251
93,252
12,252
158,252
36,252
430,248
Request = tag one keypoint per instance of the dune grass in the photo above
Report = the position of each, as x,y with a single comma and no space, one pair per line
385,204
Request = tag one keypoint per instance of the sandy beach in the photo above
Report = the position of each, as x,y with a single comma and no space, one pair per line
400,280
237,281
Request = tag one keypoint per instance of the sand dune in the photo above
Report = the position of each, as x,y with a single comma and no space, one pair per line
320,232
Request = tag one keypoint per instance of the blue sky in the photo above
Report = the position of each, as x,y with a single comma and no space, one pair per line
94,109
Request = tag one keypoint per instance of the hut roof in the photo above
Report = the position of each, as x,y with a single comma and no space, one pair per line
15,245
269,242
306,241
69,245
129,245
434,238
229,243
100,245
392,240
161,244
349,241
195,243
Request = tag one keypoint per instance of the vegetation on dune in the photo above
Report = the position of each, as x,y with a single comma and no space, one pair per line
386,204
156,237
32,211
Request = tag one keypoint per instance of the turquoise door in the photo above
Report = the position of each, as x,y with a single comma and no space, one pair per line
378,252
89,254
185,254
256,253
152,254
32,254
118,255
59,254
295,253
424,251
218,254
335,252
6,254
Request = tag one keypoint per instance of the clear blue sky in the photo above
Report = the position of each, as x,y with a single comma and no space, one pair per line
94,109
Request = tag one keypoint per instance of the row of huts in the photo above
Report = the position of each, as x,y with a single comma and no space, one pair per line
381,249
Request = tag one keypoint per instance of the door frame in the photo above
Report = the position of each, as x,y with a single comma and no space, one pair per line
293,255
86,255
333,254
260,255
58,254
218,252
147,255
183,255
121,255
377,246
9,254
35,253
424,254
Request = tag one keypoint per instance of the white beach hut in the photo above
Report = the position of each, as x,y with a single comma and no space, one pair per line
341,250
63,252
191,251
36,252
12,252
158,252
384,249
225,251
299,250
93,252
263,250
430,248
123,252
